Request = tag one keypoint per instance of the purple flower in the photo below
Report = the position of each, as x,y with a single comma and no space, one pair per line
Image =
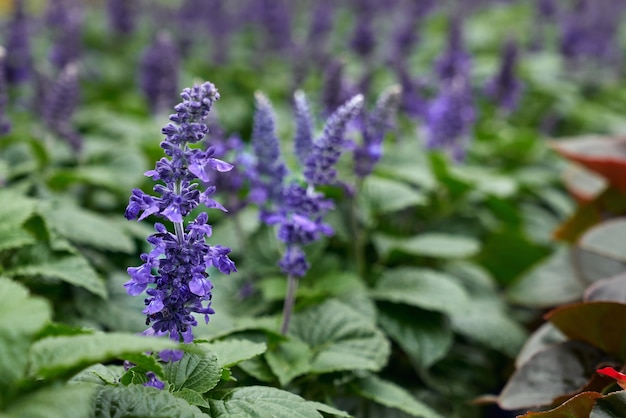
304,127
65,20
274,16
454,61
375,126
505,88
122,15
363,41
59,104
270,168
412,99
158,73
19,60
153,381
335,90
175,271
5,125
449,119
319,167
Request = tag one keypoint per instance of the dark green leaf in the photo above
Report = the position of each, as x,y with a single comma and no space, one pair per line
289,359
610,406
196,371
192,397
139,401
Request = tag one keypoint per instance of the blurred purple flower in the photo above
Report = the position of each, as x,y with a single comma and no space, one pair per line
158,73
454,61
122,15
19,60
5,125
505,88
363,40
64,18
304,127
59,104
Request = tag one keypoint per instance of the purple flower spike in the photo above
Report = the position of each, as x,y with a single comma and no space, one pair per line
180,286
304,127
505,88
454,61
19,60
319,167
59,104
158,73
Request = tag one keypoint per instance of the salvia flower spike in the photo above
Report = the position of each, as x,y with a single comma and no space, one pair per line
304,127
180,258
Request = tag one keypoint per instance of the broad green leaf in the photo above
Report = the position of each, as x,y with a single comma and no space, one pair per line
74,270
561,369
392,395
146,362
606,239
431,244
384,195
88,228
12,237
610,406
259,402
142,402
288,359
424,335
257,367
340,338
67,401
21,317
426,289
576,407
235,350
192,397
199,371
552,282
486,321
15,209
596,323
56,356
100,374
328,409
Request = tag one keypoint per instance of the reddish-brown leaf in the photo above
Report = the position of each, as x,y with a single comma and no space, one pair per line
579,406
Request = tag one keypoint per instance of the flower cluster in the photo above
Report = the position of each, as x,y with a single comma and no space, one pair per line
59,104
19,60
158,72
505,88
181,283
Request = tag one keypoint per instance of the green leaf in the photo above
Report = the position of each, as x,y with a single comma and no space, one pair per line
426,289
610,406
233,351
486,321
67,401
425,336
595,323
142,402
549,283
340,338
146,362
199,371
385,195
15,209
257,367
392,395
259,402
100,374
289,359
561,369
432,244
328,409
12,237
74,270
88,228
56,356
192,397
606,239
577,407
21,317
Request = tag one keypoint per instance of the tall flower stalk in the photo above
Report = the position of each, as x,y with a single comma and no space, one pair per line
181,258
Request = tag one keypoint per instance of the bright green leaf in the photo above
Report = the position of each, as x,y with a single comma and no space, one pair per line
199,371
340,338
68,401
14,237
192,397
289,359
235,350
432,244
55,356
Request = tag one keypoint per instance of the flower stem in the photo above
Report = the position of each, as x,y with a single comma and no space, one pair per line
290,299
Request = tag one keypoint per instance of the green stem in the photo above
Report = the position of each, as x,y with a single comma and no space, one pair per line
290,300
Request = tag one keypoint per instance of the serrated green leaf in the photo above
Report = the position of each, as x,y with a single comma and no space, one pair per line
425,336
340,338
235,350
15,209
426,289
55,356
142,402
436,245
289,359
88,228
21,317
74,270
14,237
192,397
486,321
100,374
392,395
257,367
385,195
196,371
259,402
68,401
